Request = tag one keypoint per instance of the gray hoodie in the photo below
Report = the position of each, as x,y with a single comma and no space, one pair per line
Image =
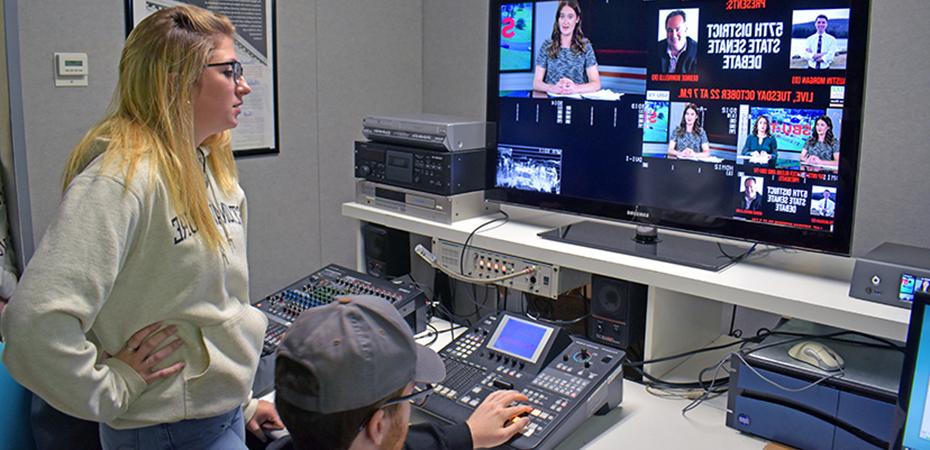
116,259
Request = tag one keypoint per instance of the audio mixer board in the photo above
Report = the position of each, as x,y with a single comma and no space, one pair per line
329,283
566,378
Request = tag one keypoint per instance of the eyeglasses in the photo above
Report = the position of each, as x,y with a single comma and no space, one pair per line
236,67
417,397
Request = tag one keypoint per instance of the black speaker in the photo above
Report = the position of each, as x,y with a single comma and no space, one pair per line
618,317
387,251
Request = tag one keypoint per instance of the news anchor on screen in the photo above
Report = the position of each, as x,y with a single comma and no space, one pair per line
761,145
822,149
820,47
565,62
677,53
689,140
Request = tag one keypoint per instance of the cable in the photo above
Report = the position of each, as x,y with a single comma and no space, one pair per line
737,258
433,332
527,313
430,259
559,322
451,316
883,343
673,384
505,219
734,333
840,374
717,385
763,333
797,337
690,353
709,391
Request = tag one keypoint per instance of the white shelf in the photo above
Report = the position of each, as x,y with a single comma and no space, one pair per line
816,288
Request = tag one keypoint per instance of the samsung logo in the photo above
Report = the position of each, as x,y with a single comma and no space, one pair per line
640,214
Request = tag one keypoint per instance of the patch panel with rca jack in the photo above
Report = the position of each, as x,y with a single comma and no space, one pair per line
482,266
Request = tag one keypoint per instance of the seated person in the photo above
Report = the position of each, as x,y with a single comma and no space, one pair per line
751,199
565,63
825,206
345,376
761,144
677,53
822,149
689,139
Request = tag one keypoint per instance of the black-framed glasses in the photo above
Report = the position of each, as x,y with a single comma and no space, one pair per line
234,65
418,397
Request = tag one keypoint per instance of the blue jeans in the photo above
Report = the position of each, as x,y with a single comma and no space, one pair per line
223,432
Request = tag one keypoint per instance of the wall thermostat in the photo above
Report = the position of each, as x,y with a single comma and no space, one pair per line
71,69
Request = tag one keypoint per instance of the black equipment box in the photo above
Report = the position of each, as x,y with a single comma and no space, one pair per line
443,173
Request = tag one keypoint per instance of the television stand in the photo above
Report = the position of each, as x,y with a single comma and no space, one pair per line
645,241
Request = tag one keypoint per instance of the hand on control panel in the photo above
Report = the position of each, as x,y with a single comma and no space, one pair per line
491,423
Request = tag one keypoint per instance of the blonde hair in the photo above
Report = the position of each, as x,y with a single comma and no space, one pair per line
151,115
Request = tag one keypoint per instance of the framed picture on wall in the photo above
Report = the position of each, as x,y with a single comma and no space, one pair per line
257,132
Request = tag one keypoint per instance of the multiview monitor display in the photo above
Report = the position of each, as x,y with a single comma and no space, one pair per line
739,119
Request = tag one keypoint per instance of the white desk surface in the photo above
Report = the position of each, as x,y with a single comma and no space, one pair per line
644,421
816,288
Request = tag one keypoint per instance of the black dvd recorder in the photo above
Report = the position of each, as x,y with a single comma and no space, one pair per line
443,173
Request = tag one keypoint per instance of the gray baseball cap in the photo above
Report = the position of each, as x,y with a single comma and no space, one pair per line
360,350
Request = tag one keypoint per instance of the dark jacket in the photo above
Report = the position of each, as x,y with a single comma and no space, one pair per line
754,205
687,61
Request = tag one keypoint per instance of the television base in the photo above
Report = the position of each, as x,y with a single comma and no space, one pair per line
703,254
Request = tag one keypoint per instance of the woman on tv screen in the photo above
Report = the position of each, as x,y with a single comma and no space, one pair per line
761,145
689,140
565,63
822,149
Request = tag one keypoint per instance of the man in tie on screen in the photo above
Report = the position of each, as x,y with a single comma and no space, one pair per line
820,47
825,206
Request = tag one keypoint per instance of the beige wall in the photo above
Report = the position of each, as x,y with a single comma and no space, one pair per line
337,61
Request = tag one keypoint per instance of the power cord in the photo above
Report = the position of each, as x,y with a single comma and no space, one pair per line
737,258
526,312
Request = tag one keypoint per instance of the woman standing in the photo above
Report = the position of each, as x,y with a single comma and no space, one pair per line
150,236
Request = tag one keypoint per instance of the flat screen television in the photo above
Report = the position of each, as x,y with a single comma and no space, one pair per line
732,118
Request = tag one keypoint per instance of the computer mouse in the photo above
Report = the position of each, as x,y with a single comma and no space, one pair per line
817,355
